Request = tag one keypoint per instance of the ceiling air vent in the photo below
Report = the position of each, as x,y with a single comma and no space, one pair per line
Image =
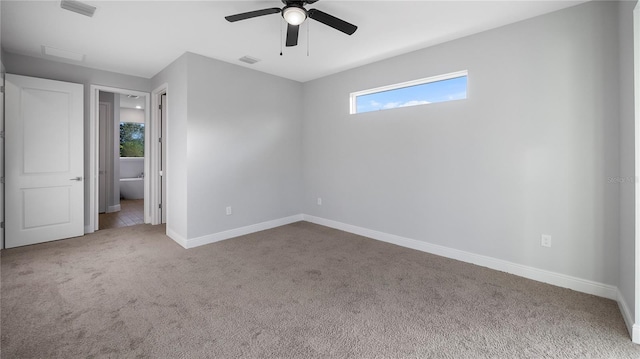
78,7
248,59
63,54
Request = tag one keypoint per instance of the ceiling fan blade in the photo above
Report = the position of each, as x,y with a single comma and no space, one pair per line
292,35
252,14
332,21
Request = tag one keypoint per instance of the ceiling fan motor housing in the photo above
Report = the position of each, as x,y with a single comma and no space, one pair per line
297,2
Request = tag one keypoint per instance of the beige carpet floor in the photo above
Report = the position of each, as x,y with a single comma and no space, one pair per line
298,291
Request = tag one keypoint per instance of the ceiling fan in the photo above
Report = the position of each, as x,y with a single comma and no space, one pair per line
295,14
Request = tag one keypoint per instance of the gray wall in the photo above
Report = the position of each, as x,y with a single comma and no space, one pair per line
233,140
531,151
35,67
175,75
627,158
112,163
244,146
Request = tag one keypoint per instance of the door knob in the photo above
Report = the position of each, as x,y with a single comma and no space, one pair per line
79,178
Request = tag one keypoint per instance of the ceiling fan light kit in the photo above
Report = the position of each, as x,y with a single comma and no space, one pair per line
295,14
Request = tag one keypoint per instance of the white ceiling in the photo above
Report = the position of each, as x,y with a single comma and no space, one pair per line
132,102
142,37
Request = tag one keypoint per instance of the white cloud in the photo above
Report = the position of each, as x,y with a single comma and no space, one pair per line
414,103
389,105
375,105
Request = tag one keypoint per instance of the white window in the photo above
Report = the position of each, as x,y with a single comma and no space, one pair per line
448,87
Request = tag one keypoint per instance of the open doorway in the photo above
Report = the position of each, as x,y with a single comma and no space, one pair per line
119,151
121,156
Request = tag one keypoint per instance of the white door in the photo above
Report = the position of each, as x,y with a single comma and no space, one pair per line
44,160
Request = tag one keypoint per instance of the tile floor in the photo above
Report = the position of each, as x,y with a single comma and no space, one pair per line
131,213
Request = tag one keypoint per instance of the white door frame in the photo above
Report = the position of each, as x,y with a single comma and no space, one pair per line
2,75
94,152
156,188
635,332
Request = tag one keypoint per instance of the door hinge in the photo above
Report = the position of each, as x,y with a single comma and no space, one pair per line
1,179
160,139
159,107
2,89
1,134
160,206
1,224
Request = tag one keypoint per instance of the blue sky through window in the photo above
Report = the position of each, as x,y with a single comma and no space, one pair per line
431,92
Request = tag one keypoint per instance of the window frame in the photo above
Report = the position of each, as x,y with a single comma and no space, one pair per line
353,97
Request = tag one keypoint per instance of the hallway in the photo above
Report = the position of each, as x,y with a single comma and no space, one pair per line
131,213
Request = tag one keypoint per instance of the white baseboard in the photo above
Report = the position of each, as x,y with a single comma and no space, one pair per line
111,209
220,236
558,279
634,329
88,229
177,238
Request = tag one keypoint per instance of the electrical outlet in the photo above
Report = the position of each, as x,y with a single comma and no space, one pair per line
545,240
319,201
229,211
